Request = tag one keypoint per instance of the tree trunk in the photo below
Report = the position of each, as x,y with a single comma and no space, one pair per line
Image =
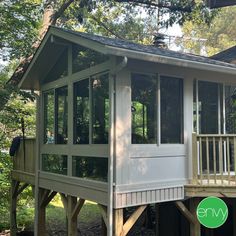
50,17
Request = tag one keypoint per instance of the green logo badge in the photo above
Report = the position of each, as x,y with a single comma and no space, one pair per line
212,212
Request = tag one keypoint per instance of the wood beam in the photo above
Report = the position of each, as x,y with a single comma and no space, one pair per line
184,210
15,187
77,208
22,188
132,219
48,198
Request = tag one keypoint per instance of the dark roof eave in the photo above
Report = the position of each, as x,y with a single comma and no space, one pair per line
170,60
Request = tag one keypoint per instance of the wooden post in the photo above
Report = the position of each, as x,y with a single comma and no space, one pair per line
119,221
121,228
234,215
16,189
195,228
44,198
194,159
157,213
72,221
13,224
73,209
41,214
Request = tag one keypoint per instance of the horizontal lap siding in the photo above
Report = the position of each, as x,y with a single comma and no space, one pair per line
149,196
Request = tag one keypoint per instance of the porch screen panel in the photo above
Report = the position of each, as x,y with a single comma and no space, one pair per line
60,68
84,58
81,112
54,163
208,107
171,110
94,168
62,115
230,109
100,108
49,101
144,108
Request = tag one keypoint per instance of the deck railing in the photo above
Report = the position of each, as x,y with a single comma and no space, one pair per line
24,159
214,159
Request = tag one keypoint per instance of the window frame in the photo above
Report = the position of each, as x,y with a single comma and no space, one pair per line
158,110
90,77
70,149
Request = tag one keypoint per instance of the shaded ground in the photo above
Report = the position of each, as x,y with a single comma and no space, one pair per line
89,222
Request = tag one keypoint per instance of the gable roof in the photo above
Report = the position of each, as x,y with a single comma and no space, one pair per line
116,47
128,45
228,55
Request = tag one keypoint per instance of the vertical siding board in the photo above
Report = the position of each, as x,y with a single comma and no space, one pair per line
153,195
149,196
129,198
124,203
167,194
144,197
171,194
119,200
179,192
162,194
139,197
134,198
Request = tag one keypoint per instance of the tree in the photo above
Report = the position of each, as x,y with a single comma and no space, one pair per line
17,105
214,37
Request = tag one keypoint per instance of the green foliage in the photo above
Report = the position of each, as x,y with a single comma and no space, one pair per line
18,26
16,104
5,167
213,38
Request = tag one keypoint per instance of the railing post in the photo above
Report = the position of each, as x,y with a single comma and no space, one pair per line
194,159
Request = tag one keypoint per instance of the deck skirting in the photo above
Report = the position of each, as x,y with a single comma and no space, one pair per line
136,198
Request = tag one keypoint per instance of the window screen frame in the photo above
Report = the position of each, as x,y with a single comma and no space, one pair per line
158,110
90,78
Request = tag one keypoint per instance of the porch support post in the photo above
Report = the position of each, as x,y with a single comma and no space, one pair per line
234,216
190,215
41,214
121,228
44,198
73,209
13,224
119,221
195,228
157,214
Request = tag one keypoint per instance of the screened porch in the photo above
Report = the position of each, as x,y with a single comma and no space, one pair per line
214,140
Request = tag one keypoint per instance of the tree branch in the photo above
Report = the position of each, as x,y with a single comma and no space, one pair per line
187,9
106,27
61,10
